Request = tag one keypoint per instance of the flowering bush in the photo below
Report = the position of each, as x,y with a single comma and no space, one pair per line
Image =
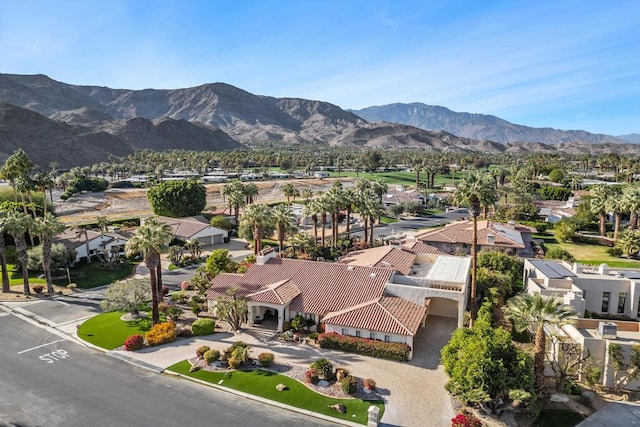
202,350
381,349
211,356
134,342
465,420
369,384
311,376
266,359
162,333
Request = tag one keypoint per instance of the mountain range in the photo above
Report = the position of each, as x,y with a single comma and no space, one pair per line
81,125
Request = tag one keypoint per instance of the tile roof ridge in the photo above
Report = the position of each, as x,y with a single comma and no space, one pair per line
333,314
391,314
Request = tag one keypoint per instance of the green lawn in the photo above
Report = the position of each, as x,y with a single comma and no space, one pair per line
263,384
588,253
400,178
387,220
15,277
92,275
107,331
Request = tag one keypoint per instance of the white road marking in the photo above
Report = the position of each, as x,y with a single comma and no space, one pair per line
39,346
61,302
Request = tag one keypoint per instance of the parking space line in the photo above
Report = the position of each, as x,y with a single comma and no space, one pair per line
39,346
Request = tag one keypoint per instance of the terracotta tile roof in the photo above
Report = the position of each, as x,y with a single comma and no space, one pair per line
399,260
277,293
462,232
422,248
324,286
186,227
387,314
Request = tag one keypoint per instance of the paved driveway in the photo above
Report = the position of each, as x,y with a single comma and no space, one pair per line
414,392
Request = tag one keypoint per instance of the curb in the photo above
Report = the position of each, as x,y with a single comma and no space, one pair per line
266,401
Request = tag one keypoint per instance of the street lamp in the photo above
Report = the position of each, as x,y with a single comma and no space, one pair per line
475,212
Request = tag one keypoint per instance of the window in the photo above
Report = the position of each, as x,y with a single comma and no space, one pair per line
372,335
622,302
344,331
358,334
387,338
605,302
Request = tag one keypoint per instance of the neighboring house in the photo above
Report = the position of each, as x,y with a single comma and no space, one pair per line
457,237
195,228
363,301
398,196
600,290
595,337
321,175
553,211
97,243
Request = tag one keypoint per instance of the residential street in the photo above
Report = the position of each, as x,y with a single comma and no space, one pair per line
48,380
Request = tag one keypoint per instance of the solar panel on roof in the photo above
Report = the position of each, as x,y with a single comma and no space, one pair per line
552,269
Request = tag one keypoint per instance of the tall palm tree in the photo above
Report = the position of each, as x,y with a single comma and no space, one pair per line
6,284
251,192
282,218
310,210
534,313
290,191
631,203
257,216
307,194
335,199
598,205
236,200
47,227
17,224
150,240
615,204
473,189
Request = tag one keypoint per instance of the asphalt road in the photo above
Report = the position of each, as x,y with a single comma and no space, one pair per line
51,381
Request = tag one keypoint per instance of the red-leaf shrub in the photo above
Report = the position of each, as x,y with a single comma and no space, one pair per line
383,350
202,350
134,342
465,420
266,359
311,376
165,290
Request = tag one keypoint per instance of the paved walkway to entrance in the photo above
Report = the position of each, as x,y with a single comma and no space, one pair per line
413,392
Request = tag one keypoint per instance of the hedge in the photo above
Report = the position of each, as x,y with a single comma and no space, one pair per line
203,327
380,349
162,333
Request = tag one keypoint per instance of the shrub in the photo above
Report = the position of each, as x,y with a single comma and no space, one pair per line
380,349
465,420
38,289
162,333
311,376
369,383
165,290
203,327
593,374
180,297
349,384
134,342
200,351
298,323
186,286
211,356
617,252
313,336
234,362
266,359
324,368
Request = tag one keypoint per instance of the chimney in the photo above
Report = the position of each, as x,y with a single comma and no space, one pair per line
511,224
265,255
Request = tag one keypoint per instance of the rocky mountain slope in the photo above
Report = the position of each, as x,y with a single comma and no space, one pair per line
475,126
632,137
77,125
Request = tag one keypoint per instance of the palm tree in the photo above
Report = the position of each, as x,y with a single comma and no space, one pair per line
335,199
307,194
282,218
631,203
290,192
17,224
598,205
311,209
82,230
47,227
151,238
6,284
473,189
236,200
534,313
257,216
614,203
629,243
251,192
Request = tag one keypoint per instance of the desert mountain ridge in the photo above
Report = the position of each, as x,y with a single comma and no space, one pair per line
79,125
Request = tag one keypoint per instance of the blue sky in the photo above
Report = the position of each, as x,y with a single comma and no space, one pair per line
560,64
